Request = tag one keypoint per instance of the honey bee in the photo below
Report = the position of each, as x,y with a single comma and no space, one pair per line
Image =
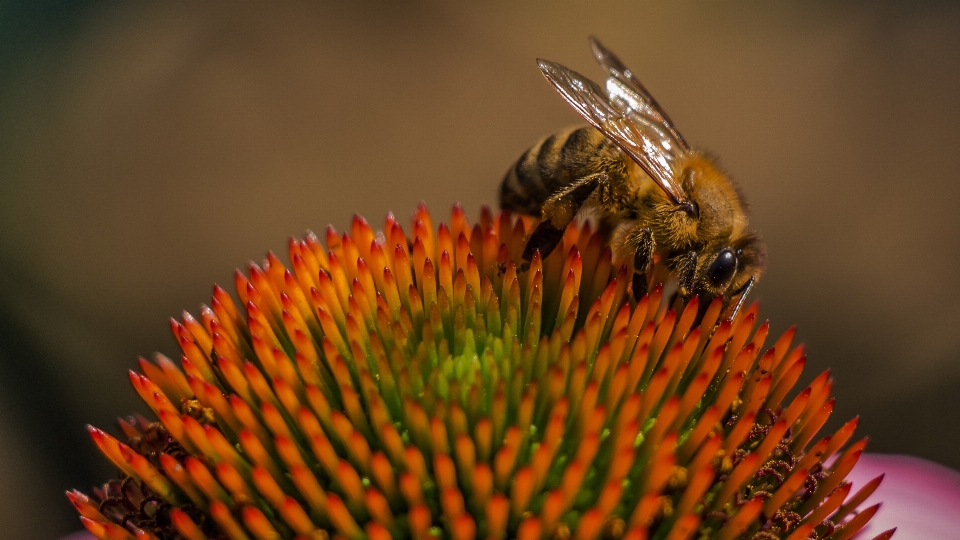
666,206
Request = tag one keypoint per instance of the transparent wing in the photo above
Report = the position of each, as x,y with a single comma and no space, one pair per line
625,86
644,137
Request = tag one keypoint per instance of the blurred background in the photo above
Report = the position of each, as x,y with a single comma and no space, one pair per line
148,149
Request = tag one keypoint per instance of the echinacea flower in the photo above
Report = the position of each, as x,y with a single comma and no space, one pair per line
920,498
388,385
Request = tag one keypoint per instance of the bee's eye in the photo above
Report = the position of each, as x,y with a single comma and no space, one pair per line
722,268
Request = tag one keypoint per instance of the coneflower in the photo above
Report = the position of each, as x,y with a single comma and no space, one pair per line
395,385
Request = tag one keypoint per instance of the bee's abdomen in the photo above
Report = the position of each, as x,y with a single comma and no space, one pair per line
548,166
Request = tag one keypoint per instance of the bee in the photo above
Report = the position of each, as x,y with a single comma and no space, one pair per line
668,207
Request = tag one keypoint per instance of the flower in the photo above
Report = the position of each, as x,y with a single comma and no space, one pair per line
393,385
920,498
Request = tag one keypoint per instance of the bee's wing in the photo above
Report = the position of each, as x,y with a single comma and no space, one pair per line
624,85
642,136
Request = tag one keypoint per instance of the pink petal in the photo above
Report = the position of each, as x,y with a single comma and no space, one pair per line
82,535
920,498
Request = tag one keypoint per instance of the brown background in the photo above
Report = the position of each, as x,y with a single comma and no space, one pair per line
146,151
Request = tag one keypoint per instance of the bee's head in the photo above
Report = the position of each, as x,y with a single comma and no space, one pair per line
725,268
711,209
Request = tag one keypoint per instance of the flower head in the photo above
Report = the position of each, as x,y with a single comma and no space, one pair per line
416,385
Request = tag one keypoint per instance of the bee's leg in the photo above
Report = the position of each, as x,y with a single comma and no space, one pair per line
558,211
544,239
642,261
687,273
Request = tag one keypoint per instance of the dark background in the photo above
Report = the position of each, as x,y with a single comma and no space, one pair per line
148,150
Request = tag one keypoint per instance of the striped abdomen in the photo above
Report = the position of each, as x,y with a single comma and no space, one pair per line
553,163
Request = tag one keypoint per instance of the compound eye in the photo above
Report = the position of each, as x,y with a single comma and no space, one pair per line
722,268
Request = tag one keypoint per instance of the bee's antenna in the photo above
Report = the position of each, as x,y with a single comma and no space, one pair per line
743,296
